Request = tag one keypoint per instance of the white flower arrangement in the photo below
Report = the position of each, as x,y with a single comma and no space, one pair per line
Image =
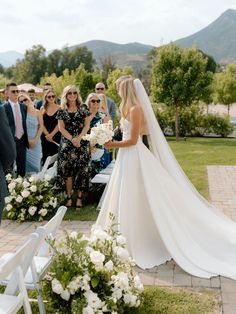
30,198
100,134
92,275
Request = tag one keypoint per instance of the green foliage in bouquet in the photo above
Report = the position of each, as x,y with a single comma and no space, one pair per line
92,275
29,198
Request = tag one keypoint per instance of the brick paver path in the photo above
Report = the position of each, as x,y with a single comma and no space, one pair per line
222,190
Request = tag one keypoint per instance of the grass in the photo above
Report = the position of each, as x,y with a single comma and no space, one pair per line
194,154
167,300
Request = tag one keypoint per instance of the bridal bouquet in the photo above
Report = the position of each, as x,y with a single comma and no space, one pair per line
92,275
29,198
100,134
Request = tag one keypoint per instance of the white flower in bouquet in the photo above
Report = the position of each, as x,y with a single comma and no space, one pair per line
11,186
122,253
131,299
8,177
19,199
8,199
100,234
65,295
97,258
25,193
8,207
93,300
19,180
100,134
26,184
109,265
88,310
56,286
32,210
33,188
43,212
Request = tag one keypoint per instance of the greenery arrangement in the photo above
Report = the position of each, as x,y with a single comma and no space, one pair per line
92,275
30,198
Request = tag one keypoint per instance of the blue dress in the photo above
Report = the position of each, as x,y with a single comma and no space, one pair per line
34,154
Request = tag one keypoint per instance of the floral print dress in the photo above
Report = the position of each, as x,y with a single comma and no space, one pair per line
74,161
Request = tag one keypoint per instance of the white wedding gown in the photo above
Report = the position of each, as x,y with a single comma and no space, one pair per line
163,219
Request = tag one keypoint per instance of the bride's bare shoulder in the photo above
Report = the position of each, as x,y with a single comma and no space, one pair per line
136,110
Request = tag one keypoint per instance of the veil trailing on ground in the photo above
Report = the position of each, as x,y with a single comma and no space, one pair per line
159,145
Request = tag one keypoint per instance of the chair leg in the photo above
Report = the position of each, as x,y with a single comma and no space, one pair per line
42,309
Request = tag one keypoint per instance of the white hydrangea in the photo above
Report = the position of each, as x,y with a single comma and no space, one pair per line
19,180
19,199
26,184
11,186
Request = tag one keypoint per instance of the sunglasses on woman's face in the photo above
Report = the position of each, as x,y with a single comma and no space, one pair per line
93,101
71,93
23,100
51,97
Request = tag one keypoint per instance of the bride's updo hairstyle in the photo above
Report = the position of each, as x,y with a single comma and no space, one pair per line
128,96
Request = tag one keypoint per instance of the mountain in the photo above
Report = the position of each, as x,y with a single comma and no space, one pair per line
9,58
217,39
131,54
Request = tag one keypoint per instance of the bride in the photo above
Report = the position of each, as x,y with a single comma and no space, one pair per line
156,207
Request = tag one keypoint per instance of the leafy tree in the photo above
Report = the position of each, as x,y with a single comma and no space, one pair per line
112,77
2,70
225,86
179,78
108,64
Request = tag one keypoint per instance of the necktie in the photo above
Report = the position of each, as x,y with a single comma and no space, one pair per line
18,122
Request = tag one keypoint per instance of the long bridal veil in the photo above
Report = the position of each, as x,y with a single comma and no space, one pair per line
161,149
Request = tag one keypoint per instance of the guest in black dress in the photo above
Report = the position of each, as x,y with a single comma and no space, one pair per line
74,168
51,135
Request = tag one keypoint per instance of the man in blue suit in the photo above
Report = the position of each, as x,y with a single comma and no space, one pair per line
16,114
7,154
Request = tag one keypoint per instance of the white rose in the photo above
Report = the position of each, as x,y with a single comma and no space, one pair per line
32,210
56,286
26,184
65,295
88,310
121,240
33,188
8,199
43,212
138,284
123,279
19,180
93,300
25,193
100,234
117,294
130,299
19,199
109,265
8,177
32,179
97,258
123,254
11,186
8,207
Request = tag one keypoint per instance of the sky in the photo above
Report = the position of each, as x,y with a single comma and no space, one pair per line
59,23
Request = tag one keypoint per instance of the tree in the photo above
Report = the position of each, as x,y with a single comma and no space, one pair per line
108,64
112,77
225,86
32,67
180,78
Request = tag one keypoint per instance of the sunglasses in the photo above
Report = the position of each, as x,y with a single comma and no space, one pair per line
95,101
51,97
100,88
72,93
23,100
15,91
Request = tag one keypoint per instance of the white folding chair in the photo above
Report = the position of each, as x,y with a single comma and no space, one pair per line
42,258
14,267
49,161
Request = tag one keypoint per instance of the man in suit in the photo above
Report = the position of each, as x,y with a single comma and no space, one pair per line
16,114
7,154
100,89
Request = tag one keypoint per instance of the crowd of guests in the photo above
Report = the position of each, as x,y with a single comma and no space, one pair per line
42,128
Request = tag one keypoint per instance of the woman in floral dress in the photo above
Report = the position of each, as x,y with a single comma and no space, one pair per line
74,168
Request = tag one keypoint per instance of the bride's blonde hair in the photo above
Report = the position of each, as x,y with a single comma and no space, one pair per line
128,96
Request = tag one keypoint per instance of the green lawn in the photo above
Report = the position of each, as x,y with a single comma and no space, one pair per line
195,154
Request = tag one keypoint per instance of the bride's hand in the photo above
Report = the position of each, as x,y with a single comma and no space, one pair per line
109,145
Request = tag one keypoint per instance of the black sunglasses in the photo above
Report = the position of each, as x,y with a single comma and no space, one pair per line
72,93
95,100
51,96
24,100
100,88
15,91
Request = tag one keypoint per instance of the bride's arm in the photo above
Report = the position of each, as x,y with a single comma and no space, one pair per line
135,122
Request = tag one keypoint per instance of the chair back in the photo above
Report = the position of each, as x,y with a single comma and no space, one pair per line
20,261
50,229
50,160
